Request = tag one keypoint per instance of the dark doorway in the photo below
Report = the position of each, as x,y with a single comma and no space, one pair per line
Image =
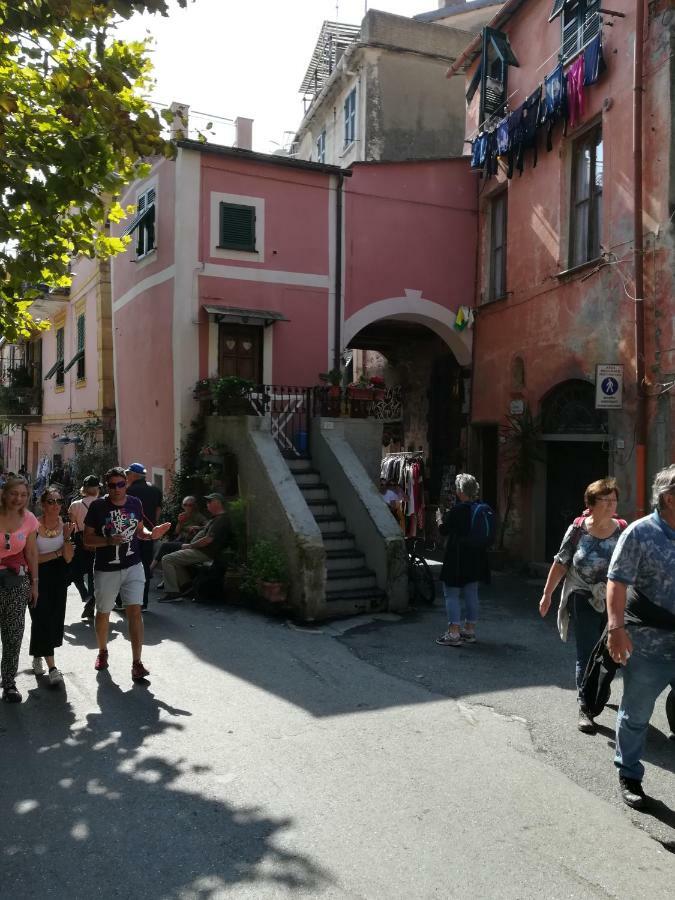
446,419
488,443
571,467
240,351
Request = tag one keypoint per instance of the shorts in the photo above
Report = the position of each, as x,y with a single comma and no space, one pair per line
128,583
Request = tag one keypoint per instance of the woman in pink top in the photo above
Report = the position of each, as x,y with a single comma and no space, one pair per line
18,577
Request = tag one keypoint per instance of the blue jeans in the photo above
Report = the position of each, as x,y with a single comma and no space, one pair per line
588,627
644,677
453,606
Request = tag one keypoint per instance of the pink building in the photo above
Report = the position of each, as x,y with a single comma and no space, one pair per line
273,269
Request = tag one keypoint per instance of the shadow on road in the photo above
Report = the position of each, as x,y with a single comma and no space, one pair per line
99,799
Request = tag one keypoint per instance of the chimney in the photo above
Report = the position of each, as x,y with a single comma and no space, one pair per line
180,122
243,133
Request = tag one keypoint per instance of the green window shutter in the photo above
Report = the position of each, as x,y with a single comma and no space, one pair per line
237,227
80,347
60,347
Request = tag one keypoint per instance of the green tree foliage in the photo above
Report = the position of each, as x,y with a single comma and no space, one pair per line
74,128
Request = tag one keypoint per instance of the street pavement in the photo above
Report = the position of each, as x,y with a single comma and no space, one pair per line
263,760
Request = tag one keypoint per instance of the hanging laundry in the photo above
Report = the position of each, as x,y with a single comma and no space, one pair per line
575,91
490,167
525,134
464,318
503,138
594,61
478,151
554,103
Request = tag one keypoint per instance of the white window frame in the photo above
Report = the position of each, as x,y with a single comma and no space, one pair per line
258,203
350,108
142,199
161,474
584,30
321,147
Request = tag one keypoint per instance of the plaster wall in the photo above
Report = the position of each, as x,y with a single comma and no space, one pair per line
276,509
562,325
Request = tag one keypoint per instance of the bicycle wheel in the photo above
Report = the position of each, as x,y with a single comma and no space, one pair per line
421,587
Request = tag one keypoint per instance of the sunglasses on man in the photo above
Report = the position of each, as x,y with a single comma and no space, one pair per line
116,485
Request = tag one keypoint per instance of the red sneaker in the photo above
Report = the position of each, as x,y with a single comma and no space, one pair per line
138,671
101,660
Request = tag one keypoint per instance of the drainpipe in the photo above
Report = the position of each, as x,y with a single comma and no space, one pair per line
337,345
638,257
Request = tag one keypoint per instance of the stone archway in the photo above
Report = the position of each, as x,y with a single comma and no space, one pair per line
413,308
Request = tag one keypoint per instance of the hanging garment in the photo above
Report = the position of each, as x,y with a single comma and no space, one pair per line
490,167
503,137
525,136
575,91
554,103
594,62
478,151
514,125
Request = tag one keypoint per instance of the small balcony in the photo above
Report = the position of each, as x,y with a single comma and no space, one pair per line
20,398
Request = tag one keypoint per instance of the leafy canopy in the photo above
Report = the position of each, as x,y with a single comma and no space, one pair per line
74,128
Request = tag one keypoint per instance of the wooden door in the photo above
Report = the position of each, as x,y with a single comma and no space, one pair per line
240,351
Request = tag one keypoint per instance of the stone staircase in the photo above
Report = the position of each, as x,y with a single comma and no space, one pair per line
351,587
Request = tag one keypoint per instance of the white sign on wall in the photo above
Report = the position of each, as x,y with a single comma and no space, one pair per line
608,386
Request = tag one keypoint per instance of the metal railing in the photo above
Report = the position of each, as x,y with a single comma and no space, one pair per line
290,411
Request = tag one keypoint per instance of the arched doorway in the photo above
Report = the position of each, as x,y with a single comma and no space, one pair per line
431,387
575,433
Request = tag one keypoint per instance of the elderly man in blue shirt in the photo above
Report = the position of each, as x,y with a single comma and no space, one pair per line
641,627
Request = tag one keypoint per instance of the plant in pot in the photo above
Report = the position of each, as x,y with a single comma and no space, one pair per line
231,395
521,436
268,570
334,379
378,386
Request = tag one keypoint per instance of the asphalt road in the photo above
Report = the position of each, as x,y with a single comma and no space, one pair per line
262,761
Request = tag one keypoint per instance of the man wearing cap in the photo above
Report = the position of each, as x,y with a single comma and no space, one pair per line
204,547
151,498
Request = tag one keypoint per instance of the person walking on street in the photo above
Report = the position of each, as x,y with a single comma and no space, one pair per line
114,528
583,560
55,554
151,498
83,563
18,578
204,547
641,627
464,565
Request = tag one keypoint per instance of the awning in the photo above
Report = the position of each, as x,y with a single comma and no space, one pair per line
235,315
138,219
78,356
54,369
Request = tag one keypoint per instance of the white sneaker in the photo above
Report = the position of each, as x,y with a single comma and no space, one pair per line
55,677
38,667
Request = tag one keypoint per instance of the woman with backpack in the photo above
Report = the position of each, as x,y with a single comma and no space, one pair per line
469,528
583,561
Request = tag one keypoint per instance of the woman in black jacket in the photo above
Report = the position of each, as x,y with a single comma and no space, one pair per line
464,565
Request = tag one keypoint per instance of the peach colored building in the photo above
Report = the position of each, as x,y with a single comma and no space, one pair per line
556,292
276,269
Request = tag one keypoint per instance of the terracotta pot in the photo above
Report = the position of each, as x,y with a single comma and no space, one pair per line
273,591
334,391
378,394
357,393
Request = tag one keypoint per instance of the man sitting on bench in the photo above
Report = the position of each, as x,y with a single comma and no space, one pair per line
204,547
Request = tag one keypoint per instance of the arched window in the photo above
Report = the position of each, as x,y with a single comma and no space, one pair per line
570,409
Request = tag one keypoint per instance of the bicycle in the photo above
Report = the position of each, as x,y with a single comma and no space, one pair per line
421,586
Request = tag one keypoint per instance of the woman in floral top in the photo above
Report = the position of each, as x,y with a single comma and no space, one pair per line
583,561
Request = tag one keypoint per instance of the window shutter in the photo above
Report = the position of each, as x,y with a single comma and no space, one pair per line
80,332
237,227
570,32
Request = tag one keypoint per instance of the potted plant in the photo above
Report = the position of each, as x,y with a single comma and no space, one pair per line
361,389
231,395
268,570
334,379
378,386
202,389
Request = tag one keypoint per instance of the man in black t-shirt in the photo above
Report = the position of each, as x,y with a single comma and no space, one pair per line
151,498
113,527
205,546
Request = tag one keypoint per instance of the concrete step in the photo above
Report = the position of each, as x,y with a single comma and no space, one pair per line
315,492
337,560
346,602
304,479
300,465
322,507
330,524
338,580
341,540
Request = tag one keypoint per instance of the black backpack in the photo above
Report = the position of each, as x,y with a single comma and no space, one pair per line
483,527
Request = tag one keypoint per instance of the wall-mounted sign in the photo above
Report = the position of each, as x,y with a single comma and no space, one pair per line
608,386
517,407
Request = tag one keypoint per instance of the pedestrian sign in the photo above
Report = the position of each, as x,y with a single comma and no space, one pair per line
608,386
